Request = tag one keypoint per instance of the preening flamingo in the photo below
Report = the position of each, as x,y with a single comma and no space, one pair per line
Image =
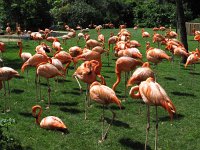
124,64
47,71
104,95
6,74
50,122
153,94
141,74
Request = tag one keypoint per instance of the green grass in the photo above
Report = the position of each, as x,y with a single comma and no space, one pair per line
128,130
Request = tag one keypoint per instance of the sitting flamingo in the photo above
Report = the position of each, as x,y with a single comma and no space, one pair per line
50,122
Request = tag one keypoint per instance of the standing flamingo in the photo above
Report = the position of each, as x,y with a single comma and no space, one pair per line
104,95
24,56
50,122
145,34
2,49
47,71
6,74
124,64
87,72
153,94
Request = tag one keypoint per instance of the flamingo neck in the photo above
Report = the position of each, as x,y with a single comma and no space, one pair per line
38,116
20,51
133,94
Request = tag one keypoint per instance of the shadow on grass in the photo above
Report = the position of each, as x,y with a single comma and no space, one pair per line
71,92
17,91
65,103
170,78
113,107
167,118
71,110
134,145
183,94
107,77
118,123
194,73
63,80
20,77
26,114
13,63
110,71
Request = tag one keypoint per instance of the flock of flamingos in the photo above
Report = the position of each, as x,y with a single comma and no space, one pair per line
129,59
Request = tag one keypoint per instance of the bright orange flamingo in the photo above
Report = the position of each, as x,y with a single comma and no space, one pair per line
74,51
47,71
145,34
6,74
104,95
34,61
153,94
56,45
24,56
197,38
155,55
101,38
64,57
50,122
158,38
91,43
141,74
87,72
192,59
124,64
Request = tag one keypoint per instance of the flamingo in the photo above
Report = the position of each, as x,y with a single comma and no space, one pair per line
141,74
50,122
153,94
104,95
25,55
155,55
56,45
197,38
145,34
91,43
34,61
47,71
87,72
158,38
192,59
124,64
101,38
74,51
80,35
2,49
6,74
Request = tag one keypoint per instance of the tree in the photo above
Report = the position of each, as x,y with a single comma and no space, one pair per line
181,25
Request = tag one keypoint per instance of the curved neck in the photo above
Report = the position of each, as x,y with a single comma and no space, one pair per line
133,94
38,116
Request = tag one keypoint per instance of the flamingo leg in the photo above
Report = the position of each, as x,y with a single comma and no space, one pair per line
36,86
49,94
8,107
148,126
39,85
4,87
156,131
81,90
104,135
86,101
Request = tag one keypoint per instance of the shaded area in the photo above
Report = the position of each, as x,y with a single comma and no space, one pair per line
167,118
64,103
118,123
113,107
17,91
61,80
183,94
110,71
71,110
25,114
170,78
20,77
106,76
134,145
194,73
71,92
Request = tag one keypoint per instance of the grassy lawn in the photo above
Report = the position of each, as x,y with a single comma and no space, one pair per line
129,128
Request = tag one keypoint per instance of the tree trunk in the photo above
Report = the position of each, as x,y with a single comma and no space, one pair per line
181,25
